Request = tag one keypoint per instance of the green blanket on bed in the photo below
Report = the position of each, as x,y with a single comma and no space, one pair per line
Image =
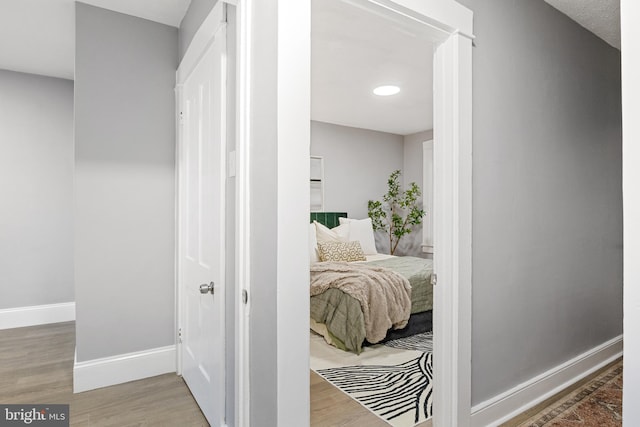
418,271
342,313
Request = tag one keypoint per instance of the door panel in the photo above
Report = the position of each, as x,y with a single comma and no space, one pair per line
201,235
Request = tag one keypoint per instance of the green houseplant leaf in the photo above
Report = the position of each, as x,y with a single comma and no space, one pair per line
398,214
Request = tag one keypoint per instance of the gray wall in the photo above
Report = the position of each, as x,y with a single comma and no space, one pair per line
36,189
357,165
124,182
195,16
547,206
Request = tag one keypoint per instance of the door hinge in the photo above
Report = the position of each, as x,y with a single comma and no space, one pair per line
245,296
181,118
180,335
434,279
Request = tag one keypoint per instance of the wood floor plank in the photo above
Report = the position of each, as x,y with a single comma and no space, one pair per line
36,366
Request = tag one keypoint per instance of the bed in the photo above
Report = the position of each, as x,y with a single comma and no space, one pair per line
337,315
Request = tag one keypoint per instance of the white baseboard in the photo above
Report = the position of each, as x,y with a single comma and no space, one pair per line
123,368
511,403
37,315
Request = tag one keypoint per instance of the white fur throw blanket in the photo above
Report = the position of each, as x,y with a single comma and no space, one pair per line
384,295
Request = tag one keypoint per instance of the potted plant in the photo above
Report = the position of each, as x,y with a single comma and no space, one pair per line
398,213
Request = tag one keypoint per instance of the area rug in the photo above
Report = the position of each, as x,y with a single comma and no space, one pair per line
394,380
597,403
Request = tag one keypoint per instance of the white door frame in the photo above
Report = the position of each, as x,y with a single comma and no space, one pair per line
427,196
201,40
452,25
199,44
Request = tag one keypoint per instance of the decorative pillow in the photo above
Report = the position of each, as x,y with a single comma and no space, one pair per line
340,251
336,234
361,230
313,245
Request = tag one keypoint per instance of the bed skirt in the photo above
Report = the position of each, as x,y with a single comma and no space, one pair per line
418,323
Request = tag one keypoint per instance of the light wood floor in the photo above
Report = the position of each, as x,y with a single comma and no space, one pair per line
36,366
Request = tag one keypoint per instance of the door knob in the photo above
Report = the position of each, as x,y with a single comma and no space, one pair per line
205,289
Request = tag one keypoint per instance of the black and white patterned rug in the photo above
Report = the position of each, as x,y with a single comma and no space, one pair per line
394,380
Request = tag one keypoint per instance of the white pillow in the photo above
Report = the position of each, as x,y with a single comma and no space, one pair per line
313,245
361,230
336,234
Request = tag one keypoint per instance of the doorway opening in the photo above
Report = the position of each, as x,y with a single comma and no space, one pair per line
423,129
371,117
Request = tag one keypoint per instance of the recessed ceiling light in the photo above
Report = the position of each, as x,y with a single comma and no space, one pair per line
386,90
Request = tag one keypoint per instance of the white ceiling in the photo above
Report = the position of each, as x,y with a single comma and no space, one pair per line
38,36
352,52
601,17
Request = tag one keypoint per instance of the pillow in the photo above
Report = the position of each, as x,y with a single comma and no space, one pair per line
336,234
361,230
340,251
313,245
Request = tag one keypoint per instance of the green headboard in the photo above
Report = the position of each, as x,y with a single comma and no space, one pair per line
329,219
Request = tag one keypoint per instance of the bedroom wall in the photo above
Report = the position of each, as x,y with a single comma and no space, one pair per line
357,165
36,189
630,13
124,183
547,202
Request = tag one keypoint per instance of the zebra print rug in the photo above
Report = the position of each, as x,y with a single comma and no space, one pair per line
394,380
421,342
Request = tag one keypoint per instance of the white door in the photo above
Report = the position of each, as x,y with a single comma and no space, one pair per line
202,226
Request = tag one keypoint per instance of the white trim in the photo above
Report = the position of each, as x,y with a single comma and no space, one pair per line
321,159
452,231
293,112
243,281
123,368
427,249
450,26
20,317
513,402
177,314
427,196
201,41
446,16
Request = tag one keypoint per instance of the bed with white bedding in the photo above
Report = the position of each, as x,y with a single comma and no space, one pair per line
350,314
